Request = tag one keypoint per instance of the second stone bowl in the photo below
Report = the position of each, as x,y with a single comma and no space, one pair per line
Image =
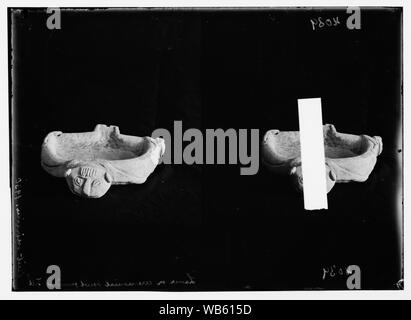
348,157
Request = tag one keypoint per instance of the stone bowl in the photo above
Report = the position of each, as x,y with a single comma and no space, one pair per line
93,161
348,157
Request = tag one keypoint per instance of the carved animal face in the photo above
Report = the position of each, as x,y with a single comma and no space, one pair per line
90,181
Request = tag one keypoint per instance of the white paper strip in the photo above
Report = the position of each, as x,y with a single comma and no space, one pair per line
312,154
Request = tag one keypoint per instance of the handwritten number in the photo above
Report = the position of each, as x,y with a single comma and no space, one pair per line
325,271
321,23
313,23
336,21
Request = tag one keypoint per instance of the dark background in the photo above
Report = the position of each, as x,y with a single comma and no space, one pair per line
144,69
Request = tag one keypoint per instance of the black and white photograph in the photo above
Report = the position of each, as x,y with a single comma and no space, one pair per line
199,149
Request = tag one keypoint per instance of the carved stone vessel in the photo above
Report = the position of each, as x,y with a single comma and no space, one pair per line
93,161
347,157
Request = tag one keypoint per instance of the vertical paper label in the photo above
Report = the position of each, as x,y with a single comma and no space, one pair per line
312,154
